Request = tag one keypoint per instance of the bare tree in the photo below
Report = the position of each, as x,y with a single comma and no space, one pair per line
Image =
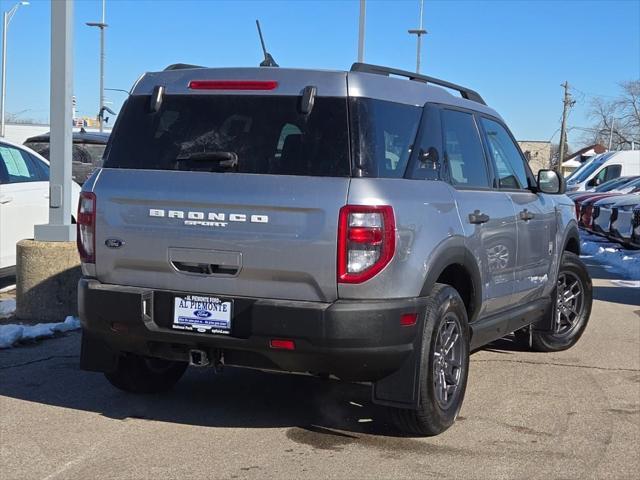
622,113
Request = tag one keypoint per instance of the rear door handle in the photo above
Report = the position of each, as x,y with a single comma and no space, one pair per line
6,199
526,215
477,217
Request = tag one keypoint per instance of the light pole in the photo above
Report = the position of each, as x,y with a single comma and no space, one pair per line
419,32
361,30
101,25
6,18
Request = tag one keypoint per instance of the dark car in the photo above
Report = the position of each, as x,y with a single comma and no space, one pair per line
88,148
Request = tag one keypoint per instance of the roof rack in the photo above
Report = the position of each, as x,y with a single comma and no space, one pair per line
181,66
380,70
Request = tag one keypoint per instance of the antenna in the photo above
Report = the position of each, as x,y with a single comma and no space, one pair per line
268,59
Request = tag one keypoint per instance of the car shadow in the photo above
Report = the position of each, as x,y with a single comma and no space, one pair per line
236,398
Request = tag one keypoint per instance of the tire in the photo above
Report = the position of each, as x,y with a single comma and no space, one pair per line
445,312
571,321
137,374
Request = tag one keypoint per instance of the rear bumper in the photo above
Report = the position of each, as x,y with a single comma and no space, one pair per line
355,340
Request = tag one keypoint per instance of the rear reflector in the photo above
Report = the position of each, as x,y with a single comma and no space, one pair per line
233,84
282,344
408,319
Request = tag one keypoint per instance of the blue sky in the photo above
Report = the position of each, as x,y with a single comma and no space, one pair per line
515,53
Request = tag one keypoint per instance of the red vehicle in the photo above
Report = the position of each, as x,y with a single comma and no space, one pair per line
584,202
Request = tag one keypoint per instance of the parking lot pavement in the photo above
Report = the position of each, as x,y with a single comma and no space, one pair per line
574,414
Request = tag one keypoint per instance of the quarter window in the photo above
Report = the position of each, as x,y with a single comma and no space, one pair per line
509,164
382,136
463,151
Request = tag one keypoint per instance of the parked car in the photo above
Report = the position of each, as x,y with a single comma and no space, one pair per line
584,203
88,148
604,167
601,215
607,186
24,199
354,224
635,228
621,221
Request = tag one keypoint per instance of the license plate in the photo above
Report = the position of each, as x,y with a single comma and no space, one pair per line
195,313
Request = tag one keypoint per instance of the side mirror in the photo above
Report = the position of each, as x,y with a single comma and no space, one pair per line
550,181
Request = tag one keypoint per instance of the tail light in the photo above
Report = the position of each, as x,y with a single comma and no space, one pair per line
366,241
233,84
86,223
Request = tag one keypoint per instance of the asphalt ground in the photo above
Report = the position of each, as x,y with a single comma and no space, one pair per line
573,414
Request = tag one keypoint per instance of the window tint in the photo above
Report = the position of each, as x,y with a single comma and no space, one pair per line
43,168
607,173
18,166
382,136
613,171
510,169
463,150
232,133
428,161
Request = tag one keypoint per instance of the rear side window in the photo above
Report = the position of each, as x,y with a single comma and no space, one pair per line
383,134
463,150
232,133
18,166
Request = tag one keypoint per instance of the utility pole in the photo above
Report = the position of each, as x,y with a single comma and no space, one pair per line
418,32
101,25
613,120
568,103
361,29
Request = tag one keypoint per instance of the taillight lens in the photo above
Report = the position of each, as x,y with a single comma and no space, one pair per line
86,223
366,241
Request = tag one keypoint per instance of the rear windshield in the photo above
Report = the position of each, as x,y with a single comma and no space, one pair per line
232,133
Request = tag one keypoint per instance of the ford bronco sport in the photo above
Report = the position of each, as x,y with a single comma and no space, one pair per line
356,224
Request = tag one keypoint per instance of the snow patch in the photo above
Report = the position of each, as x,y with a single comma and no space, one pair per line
7,307
612,256
14,333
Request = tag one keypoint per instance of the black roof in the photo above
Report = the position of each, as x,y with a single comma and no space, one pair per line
96,138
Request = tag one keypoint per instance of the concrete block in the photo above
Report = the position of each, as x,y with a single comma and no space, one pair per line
47,275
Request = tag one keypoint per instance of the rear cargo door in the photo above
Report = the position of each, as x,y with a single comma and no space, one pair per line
250,235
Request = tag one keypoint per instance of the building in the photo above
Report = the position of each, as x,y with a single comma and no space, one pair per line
538,153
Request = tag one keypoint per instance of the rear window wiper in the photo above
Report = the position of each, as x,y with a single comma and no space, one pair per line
225,160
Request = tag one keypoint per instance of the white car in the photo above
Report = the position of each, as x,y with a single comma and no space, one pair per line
24,199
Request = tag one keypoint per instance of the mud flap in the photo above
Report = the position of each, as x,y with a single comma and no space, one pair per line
546,324
401,389
96,355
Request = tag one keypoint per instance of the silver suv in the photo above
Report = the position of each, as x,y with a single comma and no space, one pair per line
368,225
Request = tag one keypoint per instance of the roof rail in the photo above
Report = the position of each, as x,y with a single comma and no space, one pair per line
380,70
181,66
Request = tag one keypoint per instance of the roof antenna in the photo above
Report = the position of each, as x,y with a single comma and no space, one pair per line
268,59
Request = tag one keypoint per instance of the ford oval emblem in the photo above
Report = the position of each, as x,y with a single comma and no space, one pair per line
113,242
202,313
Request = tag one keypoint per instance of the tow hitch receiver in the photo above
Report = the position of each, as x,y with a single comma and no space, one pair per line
198,358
